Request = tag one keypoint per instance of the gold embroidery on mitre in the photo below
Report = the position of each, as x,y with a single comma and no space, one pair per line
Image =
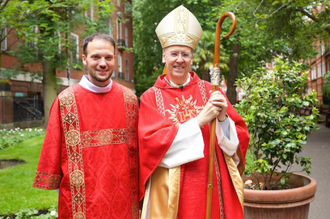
179,27
184,110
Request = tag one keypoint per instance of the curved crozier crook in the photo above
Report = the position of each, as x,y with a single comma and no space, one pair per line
218,33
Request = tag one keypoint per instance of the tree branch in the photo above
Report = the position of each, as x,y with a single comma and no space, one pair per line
3,4
315,19
307,14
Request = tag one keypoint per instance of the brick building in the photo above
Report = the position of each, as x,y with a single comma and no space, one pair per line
21,103
320,65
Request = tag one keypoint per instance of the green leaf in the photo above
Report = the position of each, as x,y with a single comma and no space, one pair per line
284,156
305,103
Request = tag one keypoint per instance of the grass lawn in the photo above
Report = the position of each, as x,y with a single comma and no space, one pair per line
16,190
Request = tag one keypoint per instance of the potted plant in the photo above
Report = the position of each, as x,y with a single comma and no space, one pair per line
271,110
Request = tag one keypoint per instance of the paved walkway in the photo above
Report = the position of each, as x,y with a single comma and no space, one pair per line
318,148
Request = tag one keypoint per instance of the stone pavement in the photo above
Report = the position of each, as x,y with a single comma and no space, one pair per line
318,148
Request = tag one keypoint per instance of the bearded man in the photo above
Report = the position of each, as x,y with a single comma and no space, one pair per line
90,148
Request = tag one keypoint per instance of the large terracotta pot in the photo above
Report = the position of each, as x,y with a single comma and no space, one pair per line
280,204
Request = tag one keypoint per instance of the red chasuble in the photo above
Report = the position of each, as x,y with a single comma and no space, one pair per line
162,109
90,153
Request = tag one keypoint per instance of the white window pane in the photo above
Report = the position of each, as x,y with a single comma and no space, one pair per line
110,26
313,74
126,36
126,70
323,69
318,70
74,48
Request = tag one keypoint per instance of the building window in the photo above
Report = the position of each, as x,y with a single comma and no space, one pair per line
313,73
126,36
33,43
322,48
119,36
120,70
319,72
58,34
74,48
323,70
126,70
3,33
110,26
90,11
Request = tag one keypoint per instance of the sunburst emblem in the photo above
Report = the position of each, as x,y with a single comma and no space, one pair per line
184,110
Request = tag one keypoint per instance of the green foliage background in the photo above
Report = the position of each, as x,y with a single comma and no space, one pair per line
265,30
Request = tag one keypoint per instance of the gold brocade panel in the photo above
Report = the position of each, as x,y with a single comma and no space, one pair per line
75,141
69,115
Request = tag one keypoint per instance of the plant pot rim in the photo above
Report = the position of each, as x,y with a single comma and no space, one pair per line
304,192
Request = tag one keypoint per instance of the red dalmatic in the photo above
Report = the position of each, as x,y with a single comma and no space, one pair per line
90,153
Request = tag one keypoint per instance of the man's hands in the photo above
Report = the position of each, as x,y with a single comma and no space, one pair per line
215,107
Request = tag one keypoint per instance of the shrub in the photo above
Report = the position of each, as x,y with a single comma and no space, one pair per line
271,110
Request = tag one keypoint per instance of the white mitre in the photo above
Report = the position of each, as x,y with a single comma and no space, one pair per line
179,27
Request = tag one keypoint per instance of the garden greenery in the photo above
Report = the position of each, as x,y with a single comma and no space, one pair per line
271,110
10,137
326,87
31,213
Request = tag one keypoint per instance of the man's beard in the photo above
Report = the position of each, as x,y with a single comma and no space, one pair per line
96,78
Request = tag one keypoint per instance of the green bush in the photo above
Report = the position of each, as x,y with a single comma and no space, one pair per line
271,110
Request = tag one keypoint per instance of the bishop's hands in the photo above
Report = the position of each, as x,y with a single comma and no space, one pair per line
216,107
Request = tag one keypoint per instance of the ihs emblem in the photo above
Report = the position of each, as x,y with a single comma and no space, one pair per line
184,110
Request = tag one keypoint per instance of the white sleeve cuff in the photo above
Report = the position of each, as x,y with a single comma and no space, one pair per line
188,146
228,145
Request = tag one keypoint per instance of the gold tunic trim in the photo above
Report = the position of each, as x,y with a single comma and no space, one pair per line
131,109
70,120
47,181
103,137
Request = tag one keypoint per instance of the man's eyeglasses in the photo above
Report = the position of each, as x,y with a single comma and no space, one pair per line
184,55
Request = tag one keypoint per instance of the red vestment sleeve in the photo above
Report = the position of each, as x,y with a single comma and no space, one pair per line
156,134
49,173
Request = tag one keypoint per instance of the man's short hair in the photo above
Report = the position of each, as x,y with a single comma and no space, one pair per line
102,36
